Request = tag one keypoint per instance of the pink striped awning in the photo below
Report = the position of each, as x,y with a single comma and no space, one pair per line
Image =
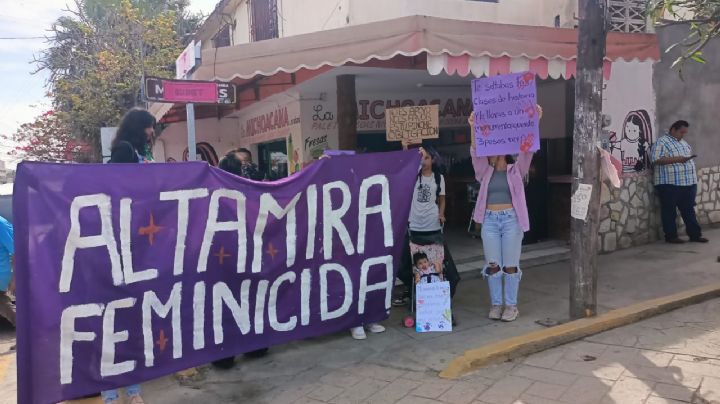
452,46
489,66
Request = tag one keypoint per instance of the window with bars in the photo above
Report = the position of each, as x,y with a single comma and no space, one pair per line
627,15
263,20
222,38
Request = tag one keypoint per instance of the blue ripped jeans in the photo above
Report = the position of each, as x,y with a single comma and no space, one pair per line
502,243
109,396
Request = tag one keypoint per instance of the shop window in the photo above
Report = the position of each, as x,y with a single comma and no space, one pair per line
627,15
222,38
263,20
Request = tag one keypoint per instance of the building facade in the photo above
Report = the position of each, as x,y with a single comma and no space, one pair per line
289,114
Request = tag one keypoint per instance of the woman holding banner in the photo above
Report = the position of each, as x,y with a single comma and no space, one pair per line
502,210
132,144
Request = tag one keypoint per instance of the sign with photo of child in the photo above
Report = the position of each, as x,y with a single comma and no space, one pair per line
432,291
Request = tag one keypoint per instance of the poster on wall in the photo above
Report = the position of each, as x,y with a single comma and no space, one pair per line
412,124
506,116
141,279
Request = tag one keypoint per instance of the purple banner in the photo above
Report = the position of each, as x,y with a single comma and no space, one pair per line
506,116
131,272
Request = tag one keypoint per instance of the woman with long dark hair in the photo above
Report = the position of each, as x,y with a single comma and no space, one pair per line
132,144
134,137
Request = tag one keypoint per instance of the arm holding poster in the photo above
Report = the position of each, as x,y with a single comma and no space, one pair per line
480,164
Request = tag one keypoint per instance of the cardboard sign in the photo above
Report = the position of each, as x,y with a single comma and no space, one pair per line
433,307
412,124
506,115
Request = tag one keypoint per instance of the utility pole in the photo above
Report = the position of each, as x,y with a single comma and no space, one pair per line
586,158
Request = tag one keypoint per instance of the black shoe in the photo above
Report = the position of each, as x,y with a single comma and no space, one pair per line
225,364
702,240
675,241
256,354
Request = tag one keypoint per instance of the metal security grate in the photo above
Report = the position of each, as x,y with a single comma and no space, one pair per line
627,15
264,19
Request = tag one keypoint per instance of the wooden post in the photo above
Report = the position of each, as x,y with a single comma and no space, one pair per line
586,160
347,112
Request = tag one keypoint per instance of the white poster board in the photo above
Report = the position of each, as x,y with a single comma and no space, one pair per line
433,312
106,137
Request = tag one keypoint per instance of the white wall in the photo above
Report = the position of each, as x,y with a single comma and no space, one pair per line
222,135
623,106
297,17
519,12
241,17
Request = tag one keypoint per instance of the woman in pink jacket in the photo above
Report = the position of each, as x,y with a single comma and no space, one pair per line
502,211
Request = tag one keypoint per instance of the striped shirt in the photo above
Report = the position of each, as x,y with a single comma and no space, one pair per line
679,174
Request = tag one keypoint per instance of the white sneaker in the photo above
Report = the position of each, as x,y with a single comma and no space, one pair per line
375,328
358,333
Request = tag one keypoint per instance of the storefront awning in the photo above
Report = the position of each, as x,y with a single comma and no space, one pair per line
452,46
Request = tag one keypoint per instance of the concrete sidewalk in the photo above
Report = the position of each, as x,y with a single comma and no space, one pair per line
403,365
387,367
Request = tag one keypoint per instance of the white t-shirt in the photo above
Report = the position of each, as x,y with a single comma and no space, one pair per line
424,211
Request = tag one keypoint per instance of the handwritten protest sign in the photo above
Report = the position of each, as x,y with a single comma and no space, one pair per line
130,272
412,124
506,116
433,307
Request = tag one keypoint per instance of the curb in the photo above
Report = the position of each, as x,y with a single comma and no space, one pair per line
551,337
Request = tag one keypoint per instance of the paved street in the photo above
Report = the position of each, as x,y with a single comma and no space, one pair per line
673,358
673,355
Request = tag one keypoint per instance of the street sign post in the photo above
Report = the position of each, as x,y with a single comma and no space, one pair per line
190,91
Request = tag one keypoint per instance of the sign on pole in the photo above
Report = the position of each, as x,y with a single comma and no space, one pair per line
189,91
412,124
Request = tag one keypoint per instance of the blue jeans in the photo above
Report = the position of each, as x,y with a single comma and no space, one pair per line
110,395
502,243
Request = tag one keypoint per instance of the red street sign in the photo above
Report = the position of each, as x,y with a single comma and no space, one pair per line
189,91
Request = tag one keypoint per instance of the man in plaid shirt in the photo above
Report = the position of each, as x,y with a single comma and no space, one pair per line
676,183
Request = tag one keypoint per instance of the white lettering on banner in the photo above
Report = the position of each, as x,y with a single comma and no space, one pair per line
214,226
325,313
272,304
305,286
383,208
68,335
312,195
151,304
223,296
183,198
249,302
127,261
332,219
75,241
260,306
269,205
386,285
110,338
199,316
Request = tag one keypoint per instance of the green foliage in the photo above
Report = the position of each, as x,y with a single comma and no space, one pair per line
98,55
702,17
48,138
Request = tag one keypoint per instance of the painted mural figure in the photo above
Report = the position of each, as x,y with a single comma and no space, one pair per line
633,145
